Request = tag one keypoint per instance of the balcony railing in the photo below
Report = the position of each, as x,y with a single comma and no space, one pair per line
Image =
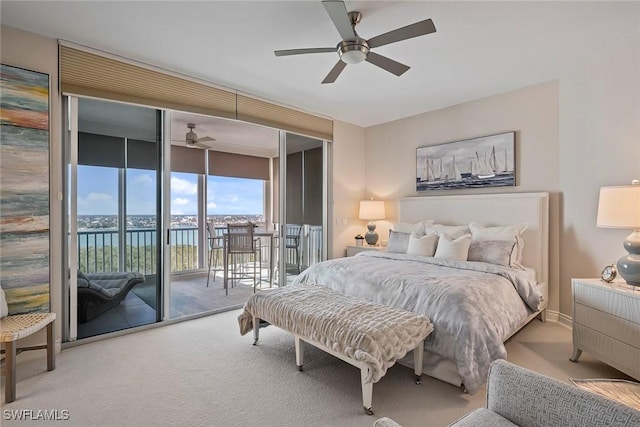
99,250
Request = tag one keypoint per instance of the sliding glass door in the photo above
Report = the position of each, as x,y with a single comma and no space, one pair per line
302,204
147,208
114,221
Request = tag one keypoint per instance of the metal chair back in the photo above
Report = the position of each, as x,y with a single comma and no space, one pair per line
240,239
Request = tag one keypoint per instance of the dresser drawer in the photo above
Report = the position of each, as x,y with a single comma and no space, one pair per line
616,327
618,354
601,298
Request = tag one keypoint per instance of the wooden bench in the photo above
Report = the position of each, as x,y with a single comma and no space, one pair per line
366,335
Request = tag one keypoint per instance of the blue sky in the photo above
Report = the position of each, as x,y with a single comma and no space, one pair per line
98,193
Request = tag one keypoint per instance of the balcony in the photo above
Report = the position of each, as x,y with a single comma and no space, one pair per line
99,250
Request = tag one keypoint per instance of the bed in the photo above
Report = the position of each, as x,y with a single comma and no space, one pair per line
474,306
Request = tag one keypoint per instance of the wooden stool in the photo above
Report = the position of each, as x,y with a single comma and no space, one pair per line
12,328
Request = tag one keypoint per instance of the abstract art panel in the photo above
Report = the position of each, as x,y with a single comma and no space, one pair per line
487,161
24,189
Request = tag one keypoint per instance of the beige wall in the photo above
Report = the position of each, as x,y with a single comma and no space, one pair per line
532,112
37,53
348,185
599,146
574,135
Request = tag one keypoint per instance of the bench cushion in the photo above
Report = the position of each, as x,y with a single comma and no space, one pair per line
375,334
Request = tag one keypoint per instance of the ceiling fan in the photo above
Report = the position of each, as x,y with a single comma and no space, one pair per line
191,138
353,49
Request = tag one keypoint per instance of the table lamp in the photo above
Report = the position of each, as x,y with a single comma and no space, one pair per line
619,207
371,210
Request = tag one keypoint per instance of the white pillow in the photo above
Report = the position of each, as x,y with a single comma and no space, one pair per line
416,229
454,231
425,245
450,248
403,227
4,310
511,233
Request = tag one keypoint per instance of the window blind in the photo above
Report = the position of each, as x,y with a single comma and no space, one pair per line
238,165
97,75
188,160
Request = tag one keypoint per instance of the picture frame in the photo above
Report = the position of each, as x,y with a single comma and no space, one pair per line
24,173
486,161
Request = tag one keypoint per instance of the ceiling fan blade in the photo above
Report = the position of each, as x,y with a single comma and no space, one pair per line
410,31
335,72
206,139
302,51
338,13
387,64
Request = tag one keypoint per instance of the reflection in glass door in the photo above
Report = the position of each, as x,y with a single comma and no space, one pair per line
114,216
303,205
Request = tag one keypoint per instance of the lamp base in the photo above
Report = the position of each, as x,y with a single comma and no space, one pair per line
629,265
371,237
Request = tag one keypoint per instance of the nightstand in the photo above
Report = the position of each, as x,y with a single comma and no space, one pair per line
352,250
606,323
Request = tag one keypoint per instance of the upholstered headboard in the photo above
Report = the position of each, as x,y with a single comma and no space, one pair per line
491,210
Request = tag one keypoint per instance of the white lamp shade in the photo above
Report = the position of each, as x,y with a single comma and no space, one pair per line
619,207
371,209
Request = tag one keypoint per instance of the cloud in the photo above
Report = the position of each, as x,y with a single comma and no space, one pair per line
99,197
181,201
182,186
212,205
97,204
145,180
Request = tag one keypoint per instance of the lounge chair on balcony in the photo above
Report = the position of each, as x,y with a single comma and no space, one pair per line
99,292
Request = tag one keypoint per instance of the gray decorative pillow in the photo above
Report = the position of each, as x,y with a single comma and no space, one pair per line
398,242
491,251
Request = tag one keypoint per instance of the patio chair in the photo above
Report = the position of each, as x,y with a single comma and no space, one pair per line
17,326
216,243
99,292
240,243
293,240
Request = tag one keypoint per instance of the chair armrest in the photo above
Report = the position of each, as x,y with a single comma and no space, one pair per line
527,398
385,422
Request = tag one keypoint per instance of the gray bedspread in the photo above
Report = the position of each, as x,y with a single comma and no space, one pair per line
473,306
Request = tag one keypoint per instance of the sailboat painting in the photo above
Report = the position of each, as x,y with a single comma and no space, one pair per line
487,161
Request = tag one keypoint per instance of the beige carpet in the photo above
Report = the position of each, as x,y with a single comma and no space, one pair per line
627,392
203,373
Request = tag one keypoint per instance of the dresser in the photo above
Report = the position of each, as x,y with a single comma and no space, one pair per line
606,323
352,250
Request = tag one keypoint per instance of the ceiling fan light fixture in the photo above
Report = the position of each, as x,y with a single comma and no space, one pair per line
191,136
353,56
353,52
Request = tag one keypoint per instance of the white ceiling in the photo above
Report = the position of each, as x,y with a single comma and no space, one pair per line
480,48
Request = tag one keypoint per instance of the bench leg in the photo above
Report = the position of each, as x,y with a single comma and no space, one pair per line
10,371
299,352
418,356
51,346
256,330
367,391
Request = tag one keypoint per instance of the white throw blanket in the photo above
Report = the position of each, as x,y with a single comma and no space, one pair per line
375,334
